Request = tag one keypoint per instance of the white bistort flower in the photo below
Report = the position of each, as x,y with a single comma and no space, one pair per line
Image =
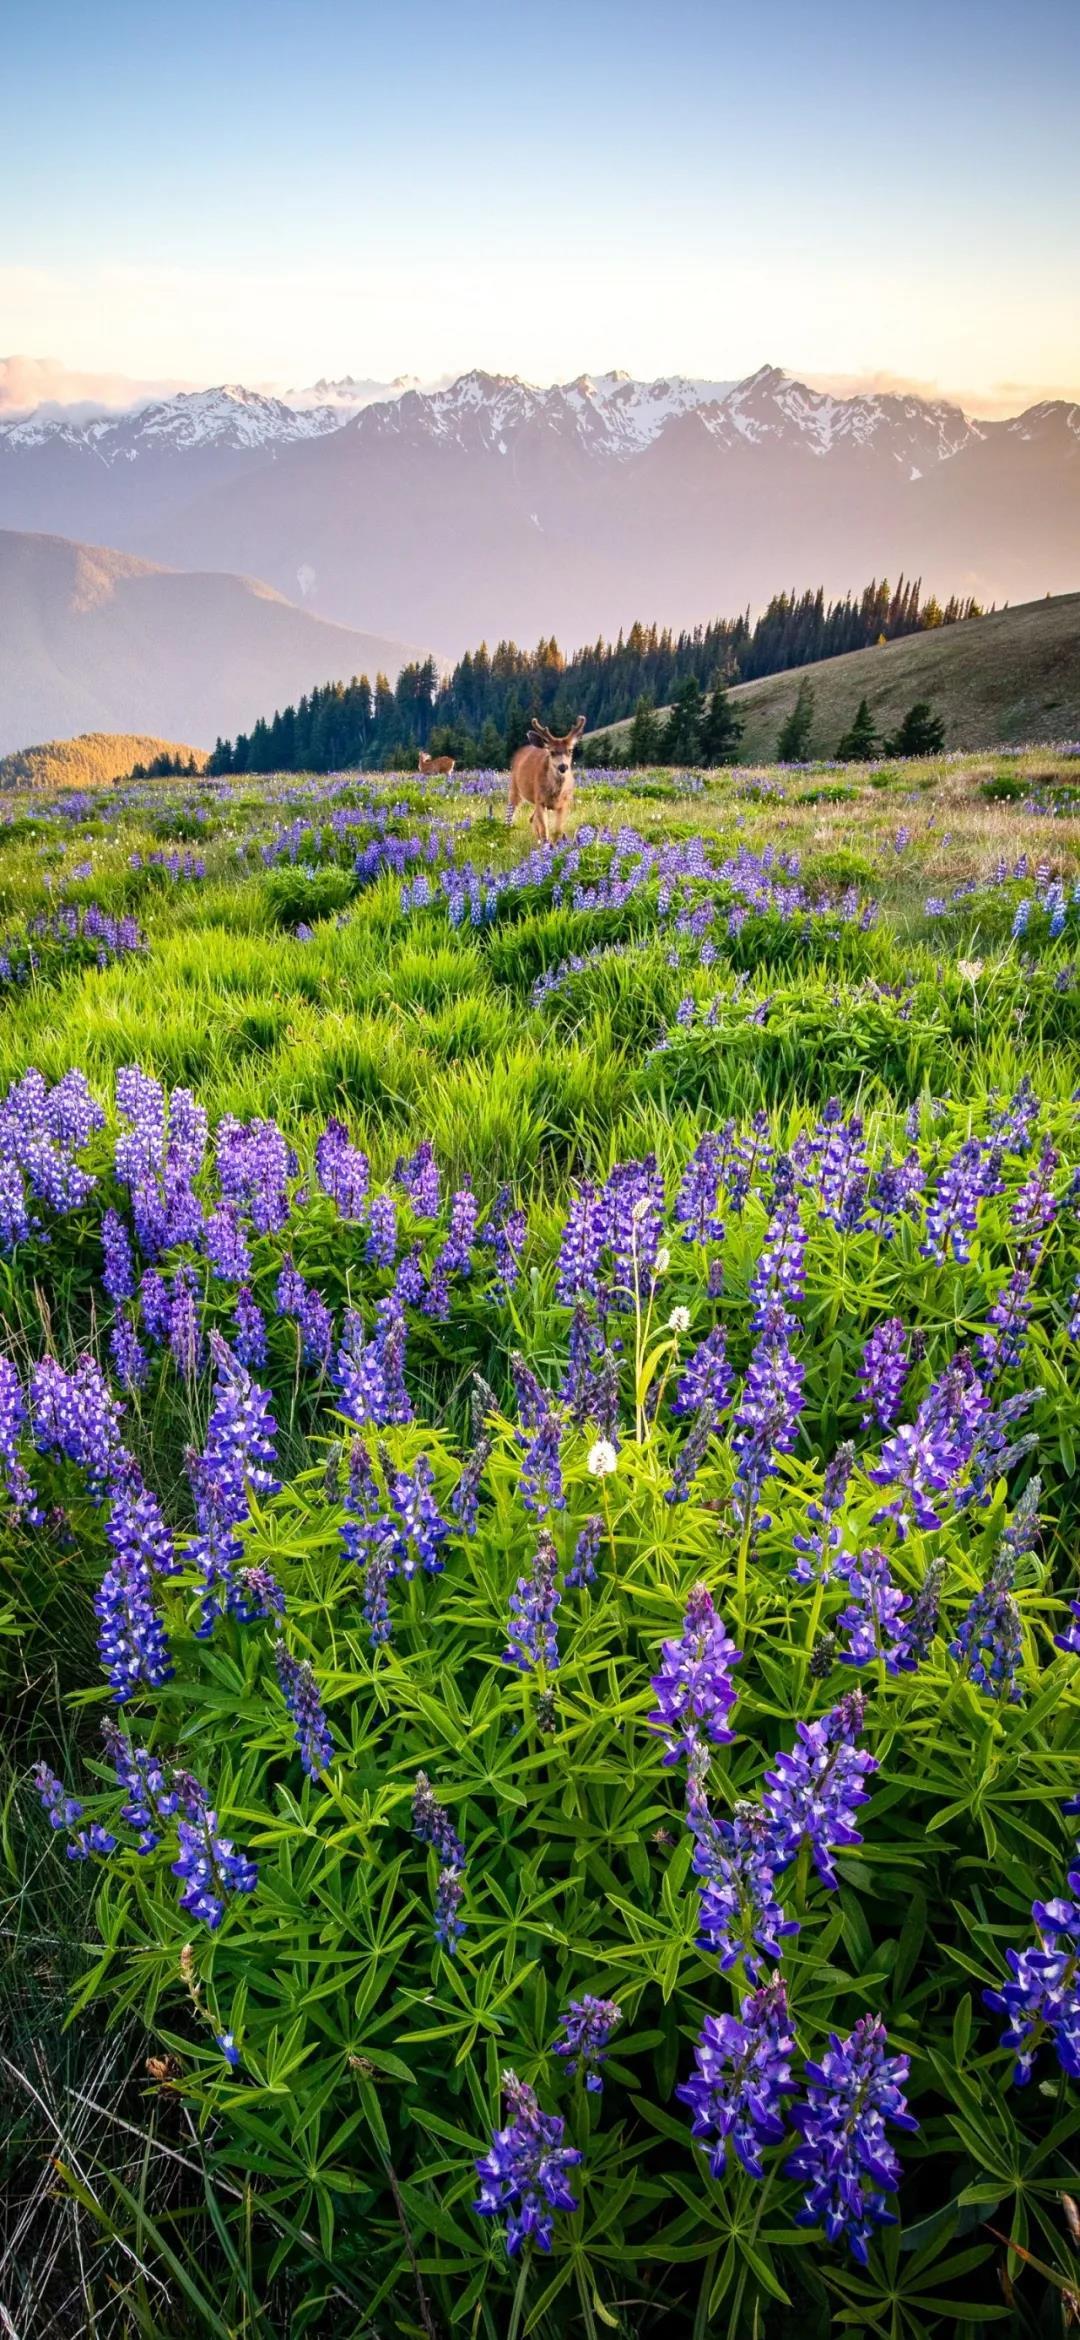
603,1459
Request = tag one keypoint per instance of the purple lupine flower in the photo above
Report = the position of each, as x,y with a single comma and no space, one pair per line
814,1790
250,1330
419,1179
819,1551
587,2027
883,1371
226,1244
533,1630
696,1209
1002,1347
118,1274
584,1239
582,1569
433,1825
736,1863
844,2157
894,1192
208,1863
132,1642
370,1374
185,1323
65,1812
1034,1208
776,1286
381,1244
694,1689
769,1410
921,1623
989,1640
842,1171
504,1231
706,1378
152,1797
634,1201
254,1166
410,1282
691,1455
925,1458
465,1500
1072,1322
74,1414
129,1359
1014,1128
742,2074
13,1421
873,1617
236,1461
952,1213
343,1172
1042,1996
524,2174
259,1593
154,1305
421,1530
300,1690
1069,1641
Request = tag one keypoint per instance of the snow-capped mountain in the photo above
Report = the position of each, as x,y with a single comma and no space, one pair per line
491,506
225,417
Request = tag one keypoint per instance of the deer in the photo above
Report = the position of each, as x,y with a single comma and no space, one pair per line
541,777
431,764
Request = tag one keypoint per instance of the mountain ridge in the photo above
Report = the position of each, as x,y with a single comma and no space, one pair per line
98,640
489,506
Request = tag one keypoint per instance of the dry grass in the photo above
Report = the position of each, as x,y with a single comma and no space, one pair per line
1000,680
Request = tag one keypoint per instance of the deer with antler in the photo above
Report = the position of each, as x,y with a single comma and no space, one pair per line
541,776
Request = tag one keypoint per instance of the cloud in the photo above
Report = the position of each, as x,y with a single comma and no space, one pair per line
991,404
28,382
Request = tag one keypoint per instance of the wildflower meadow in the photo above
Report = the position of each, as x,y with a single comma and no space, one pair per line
539,1580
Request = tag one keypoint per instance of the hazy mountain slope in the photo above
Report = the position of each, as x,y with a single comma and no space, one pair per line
95,640
89,760
491,507
1008,678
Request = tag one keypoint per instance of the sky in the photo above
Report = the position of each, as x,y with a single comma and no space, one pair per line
276,192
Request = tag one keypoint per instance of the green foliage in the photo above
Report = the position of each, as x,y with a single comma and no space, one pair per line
324,2188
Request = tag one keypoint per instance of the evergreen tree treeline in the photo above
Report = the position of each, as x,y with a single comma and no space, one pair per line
480,712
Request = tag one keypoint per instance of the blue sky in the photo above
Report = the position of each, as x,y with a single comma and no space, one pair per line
266,193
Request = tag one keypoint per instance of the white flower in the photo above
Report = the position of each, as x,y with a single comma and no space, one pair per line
603,1459
663,1260
679,1320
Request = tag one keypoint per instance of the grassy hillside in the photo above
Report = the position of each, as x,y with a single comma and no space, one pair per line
1011,677
88,761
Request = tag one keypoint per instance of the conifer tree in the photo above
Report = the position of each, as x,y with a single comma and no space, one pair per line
922,733
643,742
793,745
681,743
859,744
721,728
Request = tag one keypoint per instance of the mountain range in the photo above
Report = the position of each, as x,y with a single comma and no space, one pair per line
99,640
489,507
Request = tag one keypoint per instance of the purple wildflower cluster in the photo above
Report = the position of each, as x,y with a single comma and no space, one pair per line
156,1794
432,1824
523,2175
587,2027
694,1689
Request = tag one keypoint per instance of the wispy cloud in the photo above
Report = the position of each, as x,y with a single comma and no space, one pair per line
988,404
29,382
